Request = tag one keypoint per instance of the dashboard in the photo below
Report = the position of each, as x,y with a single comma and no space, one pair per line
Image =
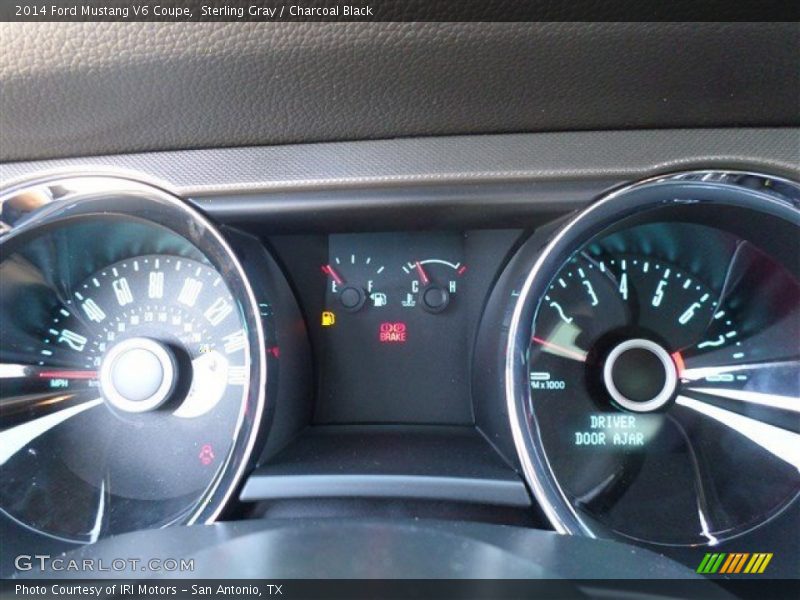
608,350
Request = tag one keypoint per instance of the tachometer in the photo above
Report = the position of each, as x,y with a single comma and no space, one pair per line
661,365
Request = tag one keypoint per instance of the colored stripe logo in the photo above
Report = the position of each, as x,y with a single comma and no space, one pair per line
724,563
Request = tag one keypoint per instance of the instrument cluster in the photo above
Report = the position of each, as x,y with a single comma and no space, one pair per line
636,362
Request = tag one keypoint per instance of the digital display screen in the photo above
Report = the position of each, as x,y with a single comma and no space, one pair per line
394,329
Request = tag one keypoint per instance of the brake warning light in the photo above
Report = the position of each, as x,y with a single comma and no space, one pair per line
392,333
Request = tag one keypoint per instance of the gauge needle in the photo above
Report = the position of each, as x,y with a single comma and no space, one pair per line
18,371
561,350
423,276
329,270
67,374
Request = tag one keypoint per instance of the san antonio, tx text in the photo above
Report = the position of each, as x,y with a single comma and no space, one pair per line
143,590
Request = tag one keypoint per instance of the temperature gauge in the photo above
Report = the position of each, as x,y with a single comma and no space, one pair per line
353,280
434,282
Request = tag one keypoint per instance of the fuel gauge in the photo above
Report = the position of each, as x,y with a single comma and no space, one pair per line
434,283
352,280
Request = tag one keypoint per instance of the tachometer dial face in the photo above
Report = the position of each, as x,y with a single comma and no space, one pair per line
667,406
84,404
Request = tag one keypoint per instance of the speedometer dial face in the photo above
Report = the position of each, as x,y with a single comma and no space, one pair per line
665,390
141,338
132,363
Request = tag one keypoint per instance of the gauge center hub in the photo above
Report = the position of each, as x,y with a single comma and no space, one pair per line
640,375
138,375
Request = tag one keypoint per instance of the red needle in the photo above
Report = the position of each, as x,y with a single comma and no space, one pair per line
422,274
328,270
561,349
679,364
68,374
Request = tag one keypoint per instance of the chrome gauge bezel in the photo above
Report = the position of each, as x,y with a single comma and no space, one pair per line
722,188
29,207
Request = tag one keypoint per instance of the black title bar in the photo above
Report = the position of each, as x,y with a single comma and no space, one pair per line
396,10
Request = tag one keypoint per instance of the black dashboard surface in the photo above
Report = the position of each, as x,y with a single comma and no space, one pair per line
77,89
362,548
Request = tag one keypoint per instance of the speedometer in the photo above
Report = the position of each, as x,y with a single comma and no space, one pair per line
132,363
656,366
